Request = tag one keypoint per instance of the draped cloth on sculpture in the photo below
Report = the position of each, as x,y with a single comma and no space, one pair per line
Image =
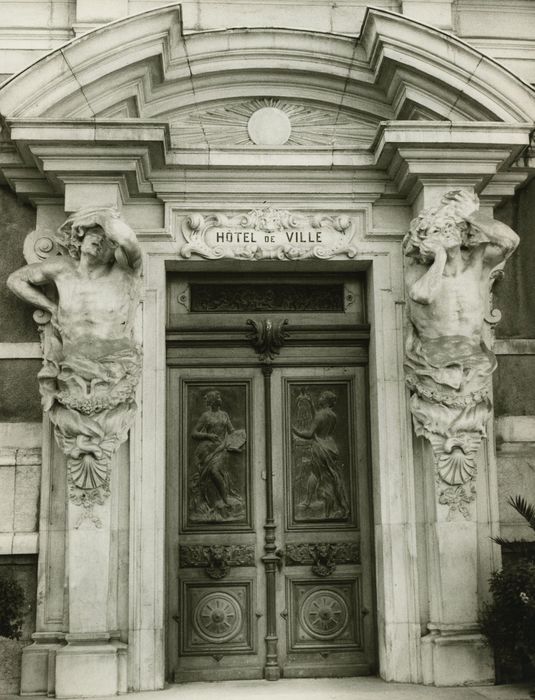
91,402
326,469
450,404
453,370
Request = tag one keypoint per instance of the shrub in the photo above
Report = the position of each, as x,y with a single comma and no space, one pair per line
12,607
509,621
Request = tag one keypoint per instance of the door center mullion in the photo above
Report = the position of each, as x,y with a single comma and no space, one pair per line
267,339
270,559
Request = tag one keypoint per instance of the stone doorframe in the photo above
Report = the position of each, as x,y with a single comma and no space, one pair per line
119,116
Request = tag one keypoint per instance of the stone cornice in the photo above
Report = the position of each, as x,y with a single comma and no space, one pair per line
122,101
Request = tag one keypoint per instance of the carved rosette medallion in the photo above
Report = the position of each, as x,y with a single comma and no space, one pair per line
217,618
324,614
268,234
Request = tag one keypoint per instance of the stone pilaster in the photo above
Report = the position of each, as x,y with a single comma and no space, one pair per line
448,370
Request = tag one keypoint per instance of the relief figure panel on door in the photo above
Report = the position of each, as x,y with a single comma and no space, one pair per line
216,487
319,454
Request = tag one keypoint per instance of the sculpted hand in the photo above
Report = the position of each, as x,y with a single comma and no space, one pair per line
466,204
85,218
434,247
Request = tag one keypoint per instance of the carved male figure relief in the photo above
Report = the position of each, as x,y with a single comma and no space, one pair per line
452,251
91,363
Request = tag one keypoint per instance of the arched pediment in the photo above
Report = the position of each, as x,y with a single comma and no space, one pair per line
144,67
140,81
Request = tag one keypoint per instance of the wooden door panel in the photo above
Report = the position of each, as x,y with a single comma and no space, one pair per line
321,484
216,489
326,591
218,577
219,618
324,614
217,499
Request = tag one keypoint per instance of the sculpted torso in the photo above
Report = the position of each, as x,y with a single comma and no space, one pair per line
96,285
456,309
97,308
447,297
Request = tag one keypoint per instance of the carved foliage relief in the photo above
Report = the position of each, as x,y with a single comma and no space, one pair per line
319,457
452,253
217,477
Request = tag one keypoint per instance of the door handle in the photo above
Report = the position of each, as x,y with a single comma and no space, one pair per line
279,553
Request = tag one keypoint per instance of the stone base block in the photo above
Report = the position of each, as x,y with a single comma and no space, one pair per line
456,659
85,669
38,665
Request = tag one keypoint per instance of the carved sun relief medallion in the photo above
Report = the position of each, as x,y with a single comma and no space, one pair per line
271,121
269,126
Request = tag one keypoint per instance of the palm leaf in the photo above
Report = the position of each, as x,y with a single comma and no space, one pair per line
525,509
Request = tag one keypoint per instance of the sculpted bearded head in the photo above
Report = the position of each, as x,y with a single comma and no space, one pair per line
80,227
443,224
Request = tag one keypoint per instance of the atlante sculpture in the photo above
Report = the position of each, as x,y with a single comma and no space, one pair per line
452,251
91,364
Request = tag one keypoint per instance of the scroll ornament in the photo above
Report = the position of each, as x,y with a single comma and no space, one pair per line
268,233
453,256
85,281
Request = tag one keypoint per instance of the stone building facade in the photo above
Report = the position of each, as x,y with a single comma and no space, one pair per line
315,461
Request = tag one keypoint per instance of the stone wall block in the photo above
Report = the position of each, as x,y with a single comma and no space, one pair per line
7,497
27,484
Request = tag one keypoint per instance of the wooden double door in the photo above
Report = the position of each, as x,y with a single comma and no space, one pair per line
269,557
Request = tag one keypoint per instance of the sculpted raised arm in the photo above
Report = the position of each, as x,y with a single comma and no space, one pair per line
427,287
118,232
25,282
498,240
502,240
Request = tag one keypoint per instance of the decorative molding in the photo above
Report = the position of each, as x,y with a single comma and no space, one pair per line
261,298
514,346
268,233
454,256
323,556
267,338
217,560
20,351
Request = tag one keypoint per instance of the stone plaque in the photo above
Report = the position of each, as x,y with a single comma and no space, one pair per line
268,233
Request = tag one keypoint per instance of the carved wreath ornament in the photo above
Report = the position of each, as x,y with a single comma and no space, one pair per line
268,234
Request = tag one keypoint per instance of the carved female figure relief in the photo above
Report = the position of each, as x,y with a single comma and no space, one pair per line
452,251
91,363
318,474
213,494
